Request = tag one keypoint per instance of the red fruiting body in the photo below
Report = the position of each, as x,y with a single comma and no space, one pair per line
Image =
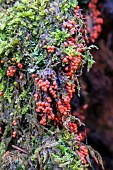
0,130
12,59
14,134
81,136
73,127
21,77
51,49
20,65
97,21
83,154
2,61
82,157
51,104
4,155
1,93
14,123
33,75
84,150
11,71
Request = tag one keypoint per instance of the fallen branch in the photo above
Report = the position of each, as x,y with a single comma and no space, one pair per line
19,149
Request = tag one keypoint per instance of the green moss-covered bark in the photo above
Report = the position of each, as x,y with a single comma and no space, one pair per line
39,42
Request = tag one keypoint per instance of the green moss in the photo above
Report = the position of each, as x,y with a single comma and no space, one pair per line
27,28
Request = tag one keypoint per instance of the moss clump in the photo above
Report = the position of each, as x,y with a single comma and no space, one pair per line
39,42
49,152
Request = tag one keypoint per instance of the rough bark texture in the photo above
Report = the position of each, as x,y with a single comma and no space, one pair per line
100,113
97,90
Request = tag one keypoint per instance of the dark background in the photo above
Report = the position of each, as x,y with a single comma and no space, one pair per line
97,88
